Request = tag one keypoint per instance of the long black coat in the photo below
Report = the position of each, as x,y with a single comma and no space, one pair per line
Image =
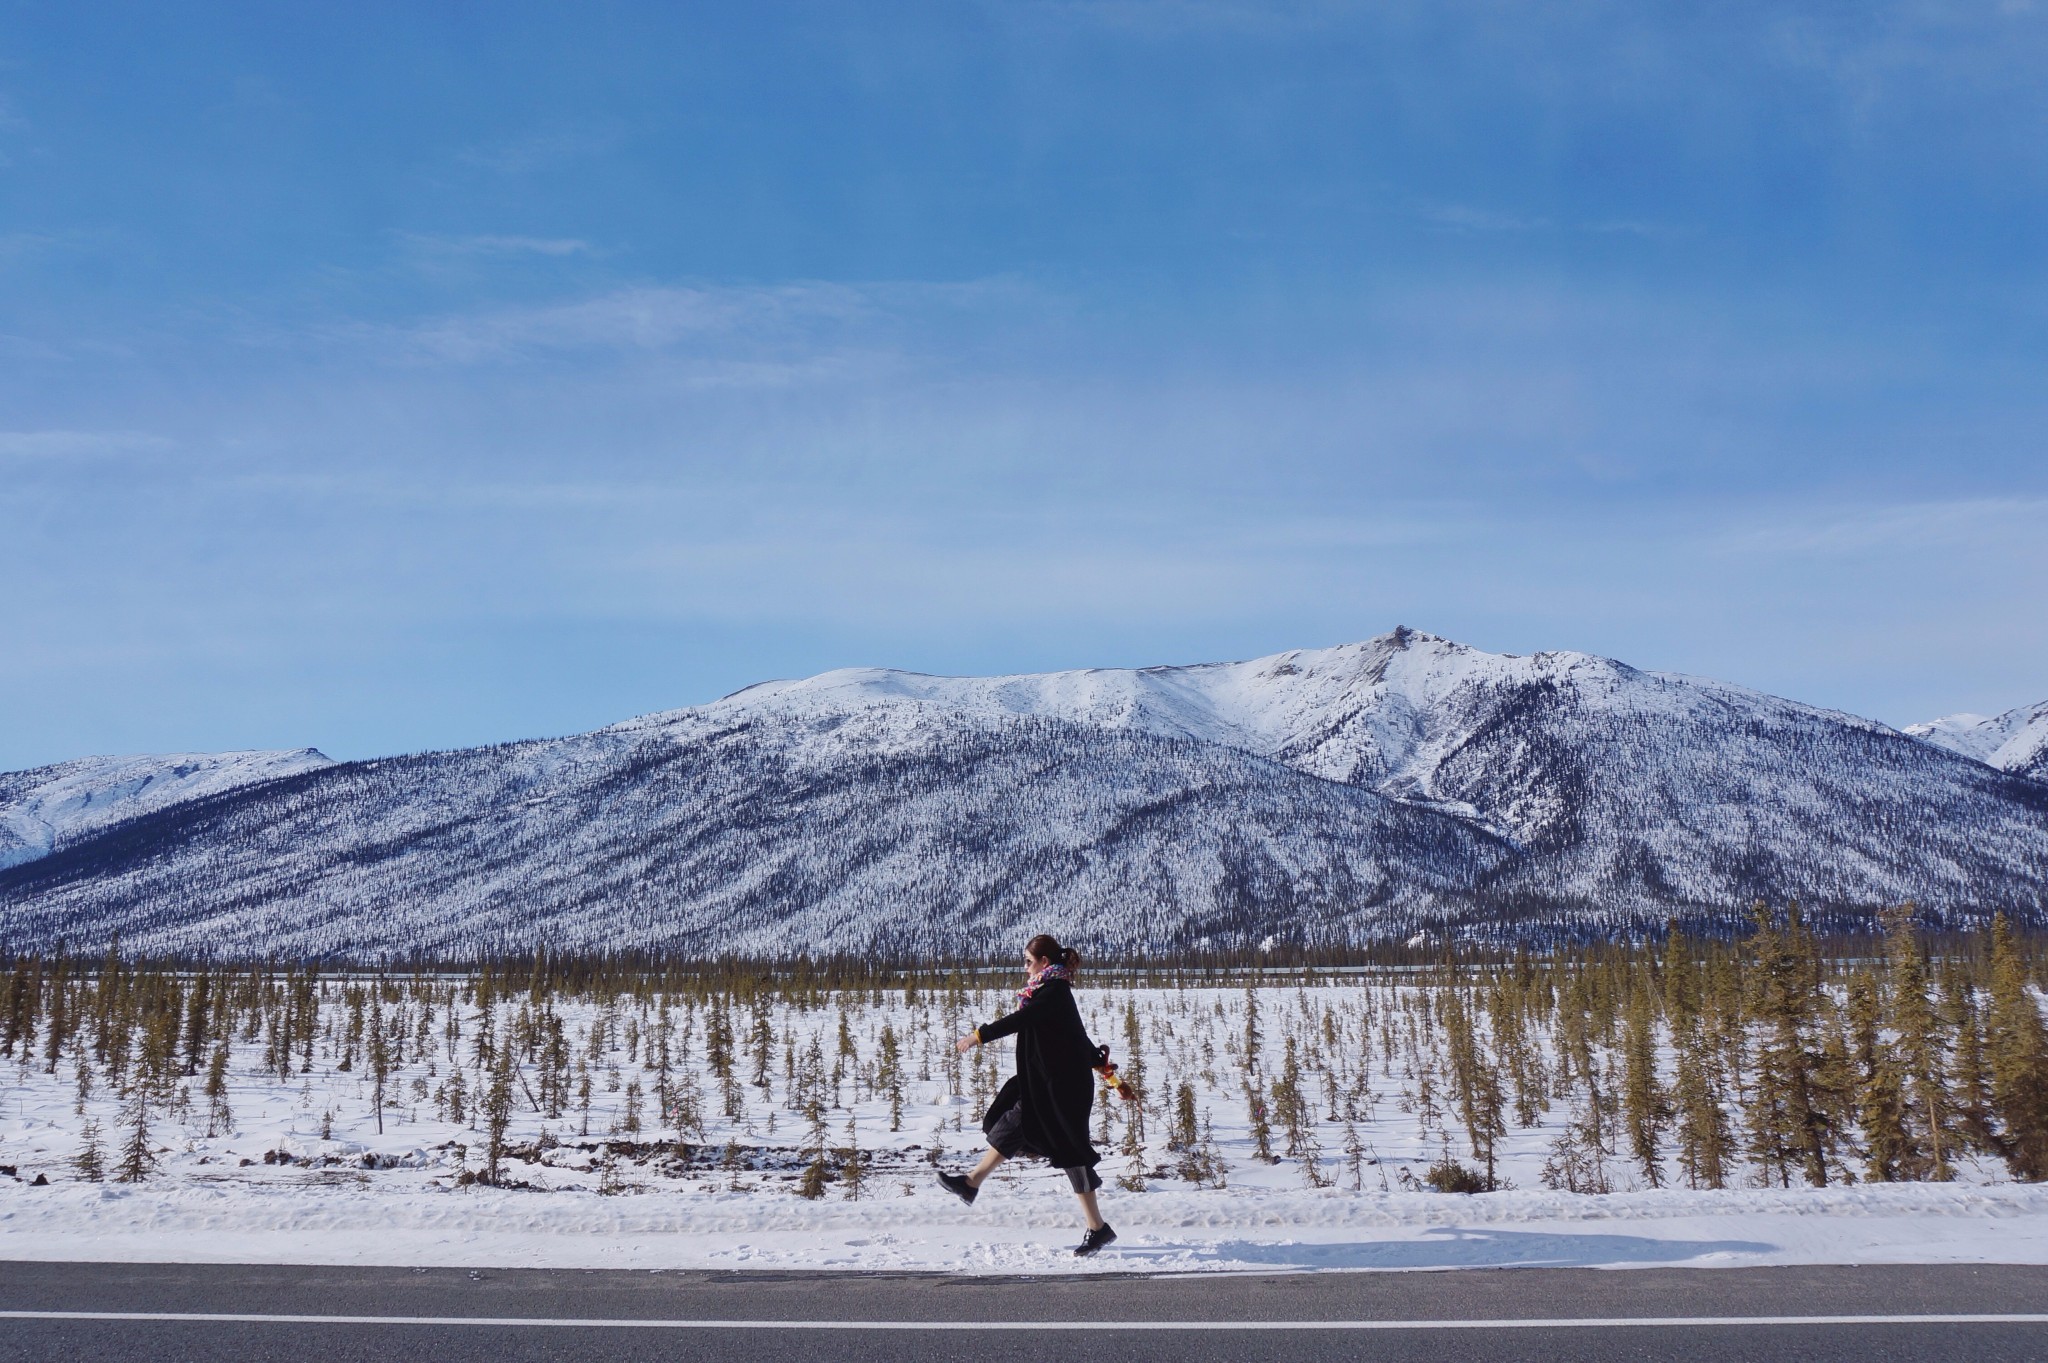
1055,1081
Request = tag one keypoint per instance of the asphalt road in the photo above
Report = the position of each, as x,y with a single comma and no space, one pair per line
507,1316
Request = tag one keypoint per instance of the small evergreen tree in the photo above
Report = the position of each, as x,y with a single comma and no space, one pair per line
137,1156
889,1074
854,1175
89,1161
1184,1134
497,1115
1261,1128
220,1118
380,1062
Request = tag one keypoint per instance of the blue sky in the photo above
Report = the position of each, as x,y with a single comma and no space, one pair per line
382,377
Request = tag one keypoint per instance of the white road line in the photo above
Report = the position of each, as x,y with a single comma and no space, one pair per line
629,1323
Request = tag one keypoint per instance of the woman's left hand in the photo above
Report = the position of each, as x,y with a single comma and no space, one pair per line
967,1043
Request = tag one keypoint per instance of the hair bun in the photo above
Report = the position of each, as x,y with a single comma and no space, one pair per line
1046,947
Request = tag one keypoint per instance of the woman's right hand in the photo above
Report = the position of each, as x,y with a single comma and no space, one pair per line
967,1043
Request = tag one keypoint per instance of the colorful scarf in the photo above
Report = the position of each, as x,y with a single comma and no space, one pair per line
1051,972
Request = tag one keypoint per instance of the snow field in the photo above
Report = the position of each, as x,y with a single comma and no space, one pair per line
299,1172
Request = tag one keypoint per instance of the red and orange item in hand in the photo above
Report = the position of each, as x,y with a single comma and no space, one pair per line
1111,1080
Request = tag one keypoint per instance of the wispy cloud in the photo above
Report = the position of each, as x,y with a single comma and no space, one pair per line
1896,526
746,326
74,445
1461,218
24,245
15,245
649,318
1471,220
1171,18
541,150
491,244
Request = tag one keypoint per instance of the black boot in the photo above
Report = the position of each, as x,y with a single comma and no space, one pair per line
958,1186
1094,1240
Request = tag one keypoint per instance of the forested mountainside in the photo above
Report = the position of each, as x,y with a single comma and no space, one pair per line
896,828
1318,797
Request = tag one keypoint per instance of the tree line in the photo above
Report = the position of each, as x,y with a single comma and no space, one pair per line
1779,1057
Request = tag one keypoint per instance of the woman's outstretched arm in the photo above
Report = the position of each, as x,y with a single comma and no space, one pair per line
1006,1025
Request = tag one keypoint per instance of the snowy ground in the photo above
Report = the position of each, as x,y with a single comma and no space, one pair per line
273,1190
1024,1229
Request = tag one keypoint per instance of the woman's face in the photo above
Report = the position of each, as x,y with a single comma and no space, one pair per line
1033,964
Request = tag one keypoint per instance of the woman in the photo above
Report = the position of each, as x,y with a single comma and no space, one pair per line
1043,1110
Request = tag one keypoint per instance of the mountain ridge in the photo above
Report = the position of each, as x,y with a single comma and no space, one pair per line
1354,793
43,808
2015,741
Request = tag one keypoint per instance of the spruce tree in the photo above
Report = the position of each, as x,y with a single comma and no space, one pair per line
1922,1053
497,1115
137,1158
889,1074
60,1016
1476,1084
1880,1097
220,1118
1646,1109
1705,1142
89,1161
2017,1044
1790,1128
1971,1081
854,1175
380,1062
1261,1127
1184,1134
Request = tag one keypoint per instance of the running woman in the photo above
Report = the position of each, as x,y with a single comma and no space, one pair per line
1043,1110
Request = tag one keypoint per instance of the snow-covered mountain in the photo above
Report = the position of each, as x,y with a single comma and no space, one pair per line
1333,795
45,808
2016,741
1399,713
894,827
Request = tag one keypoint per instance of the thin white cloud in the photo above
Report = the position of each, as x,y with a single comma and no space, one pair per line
541,150
651,318
72,445
1906,525
26,245
1461,218
1173,18
492,244
14,245
1468,219
757,331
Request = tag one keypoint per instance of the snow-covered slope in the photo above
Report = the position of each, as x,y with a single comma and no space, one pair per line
2016,741
1331,795
1563,752
44,808
898,827
1358,713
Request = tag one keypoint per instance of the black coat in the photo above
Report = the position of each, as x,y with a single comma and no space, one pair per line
1055,1080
